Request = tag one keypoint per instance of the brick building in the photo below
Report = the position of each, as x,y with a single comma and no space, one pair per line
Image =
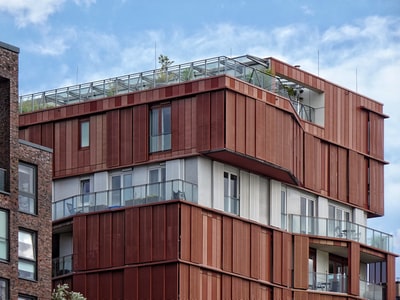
25,197
225,178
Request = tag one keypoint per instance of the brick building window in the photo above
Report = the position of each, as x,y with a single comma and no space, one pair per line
26,297
27,254
4,289
84,133
160,128
3,235
27,178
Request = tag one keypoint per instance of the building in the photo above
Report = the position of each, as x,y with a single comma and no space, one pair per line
25,197
225,178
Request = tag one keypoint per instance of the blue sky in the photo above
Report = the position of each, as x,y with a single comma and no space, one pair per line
64,42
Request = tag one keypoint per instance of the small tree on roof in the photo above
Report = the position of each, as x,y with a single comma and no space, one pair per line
62,292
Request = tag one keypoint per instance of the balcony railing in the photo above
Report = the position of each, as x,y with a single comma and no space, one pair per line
129,196
371,291
62,265
327,282
247,68
341,229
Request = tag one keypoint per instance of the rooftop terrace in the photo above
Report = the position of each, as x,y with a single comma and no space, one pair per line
248,68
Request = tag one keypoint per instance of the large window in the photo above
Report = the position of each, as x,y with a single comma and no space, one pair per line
231,193
3,235
339,222
307,215
26,297
27,188
4,289
121,188
27,254
156,187
84,133
160,128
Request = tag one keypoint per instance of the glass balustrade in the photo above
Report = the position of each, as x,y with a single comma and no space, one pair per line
339,229
327,282
129,196
371,291
62,265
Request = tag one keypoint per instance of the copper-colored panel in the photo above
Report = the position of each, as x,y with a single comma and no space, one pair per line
105,240
132,235
357,179
240,123
92,281
144,283
376,186
287,258
118,285
196,252
203,121
376,135
145,233
260,130
250,127
240,288
241,247
265,255
354,268
230,116
158,282
140,133
184,280
227,238
333,170
212,239
93,247
390,277
171,281
131,283
301,248
172,231
277,293
195,283
277,258
217,119
105,287
226,291
159,233
185,230
255,249
79,242
342,170
126,139
79,284
113,138
118,238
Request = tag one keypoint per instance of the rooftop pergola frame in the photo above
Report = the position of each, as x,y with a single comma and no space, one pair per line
251,69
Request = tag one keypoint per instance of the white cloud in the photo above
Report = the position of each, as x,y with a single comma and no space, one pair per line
85,2
30,12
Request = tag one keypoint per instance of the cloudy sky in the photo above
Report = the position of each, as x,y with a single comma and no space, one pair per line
357,45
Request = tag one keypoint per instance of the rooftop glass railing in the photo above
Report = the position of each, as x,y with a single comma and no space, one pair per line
128,196
248,68
340,229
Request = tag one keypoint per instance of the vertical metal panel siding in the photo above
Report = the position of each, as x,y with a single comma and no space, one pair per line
131,283
354,268
126,129
196,235
105,240
185,230
212,240
241,247
287,258
255,252
333,174
218,119
390,276
376,186
79,243
227,239
131,236
277,257
342,174
250,127
240,123
140,133
357,180
113,138
159,233
376,135
240,288
145,234
300,265
230,120
203,121
260,130
93,245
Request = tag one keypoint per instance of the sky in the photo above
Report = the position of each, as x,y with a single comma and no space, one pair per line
355,44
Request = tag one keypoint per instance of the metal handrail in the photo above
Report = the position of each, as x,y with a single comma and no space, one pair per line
127,196
328,282
62,265
340,229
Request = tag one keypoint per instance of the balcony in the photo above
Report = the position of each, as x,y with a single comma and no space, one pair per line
248,68
372,291
327,282
340,229
129,196
62,265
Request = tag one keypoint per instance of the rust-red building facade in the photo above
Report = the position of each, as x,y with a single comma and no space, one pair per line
226,178
25,197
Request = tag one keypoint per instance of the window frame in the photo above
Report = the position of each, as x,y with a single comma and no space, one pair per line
27,260
26,297
6,288
84,134
6,235
160,128
231,193
31,197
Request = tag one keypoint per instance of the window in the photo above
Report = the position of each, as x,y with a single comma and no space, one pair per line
3,235
156,190
26,297
307,215
160,128
121,188
231,193
4,289
84,133
27,188
85,191
27,254
283,208
339,222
